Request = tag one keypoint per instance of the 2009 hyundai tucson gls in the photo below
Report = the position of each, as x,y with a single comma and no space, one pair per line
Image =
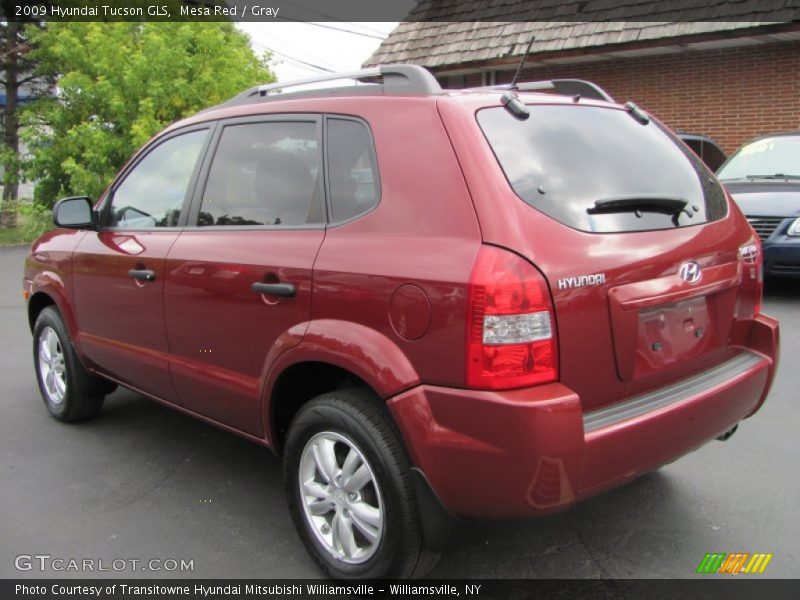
483,303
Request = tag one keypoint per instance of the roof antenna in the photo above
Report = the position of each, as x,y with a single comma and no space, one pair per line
522,63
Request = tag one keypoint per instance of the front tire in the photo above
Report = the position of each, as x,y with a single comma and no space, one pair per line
70,393
350,492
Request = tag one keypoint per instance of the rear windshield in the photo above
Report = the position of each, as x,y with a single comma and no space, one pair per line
600,170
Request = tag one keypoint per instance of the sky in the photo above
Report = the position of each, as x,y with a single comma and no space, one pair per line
303,50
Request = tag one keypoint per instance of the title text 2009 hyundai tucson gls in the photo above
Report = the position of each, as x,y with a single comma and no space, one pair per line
479,303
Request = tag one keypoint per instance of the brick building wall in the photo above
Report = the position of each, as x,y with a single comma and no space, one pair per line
730,95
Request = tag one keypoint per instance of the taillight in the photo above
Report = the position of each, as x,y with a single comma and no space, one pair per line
511,338
753,259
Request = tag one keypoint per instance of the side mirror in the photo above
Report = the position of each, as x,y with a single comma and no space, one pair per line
74,213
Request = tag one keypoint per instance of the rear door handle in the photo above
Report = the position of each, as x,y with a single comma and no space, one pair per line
142,274
283,290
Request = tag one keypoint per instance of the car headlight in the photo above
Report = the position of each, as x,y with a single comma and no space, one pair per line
794,228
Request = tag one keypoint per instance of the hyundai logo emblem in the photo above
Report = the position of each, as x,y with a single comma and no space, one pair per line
690,272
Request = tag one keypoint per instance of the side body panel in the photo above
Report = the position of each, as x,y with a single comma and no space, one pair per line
402,269
48,271
121,329
223,336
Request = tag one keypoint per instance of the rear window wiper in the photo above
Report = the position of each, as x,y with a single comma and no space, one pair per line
642,204
774,176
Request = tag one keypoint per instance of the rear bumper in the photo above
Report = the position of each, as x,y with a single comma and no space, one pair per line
533,451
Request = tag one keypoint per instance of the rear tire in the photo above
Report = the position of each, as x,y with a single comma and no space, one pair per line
350,492
69,391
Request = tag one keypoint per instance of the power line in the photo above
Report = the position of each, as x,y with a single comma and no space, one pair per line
316,11
313,11
372,29
294,60
369,35
297,51
302,63
343,30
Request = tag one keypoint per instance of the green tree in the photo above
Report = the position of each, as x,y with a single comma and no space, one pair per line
120,83
17,78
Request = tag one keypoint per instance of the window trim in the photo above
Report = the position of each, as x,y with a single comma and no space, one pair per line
373,160
193,212
105,209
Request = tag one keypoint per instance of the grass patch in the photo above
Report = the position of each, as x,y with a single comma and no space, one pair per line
31,223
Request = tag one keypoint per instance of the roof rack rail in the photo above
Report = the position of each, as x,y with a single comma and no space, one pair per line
408,80
564,87
397,79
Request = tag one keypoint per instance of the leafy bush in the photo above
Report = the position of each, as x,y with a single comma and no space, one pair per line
35,219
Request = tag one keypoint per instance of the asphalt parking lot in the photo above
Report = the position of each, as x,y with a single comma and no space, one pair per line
143,482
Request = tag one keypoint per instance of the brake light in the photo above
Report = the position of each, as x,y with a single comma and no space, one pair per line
753,259
511,339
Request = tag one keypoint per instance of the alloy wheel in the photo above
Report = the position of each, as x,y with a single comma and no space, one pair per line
341,498
52,367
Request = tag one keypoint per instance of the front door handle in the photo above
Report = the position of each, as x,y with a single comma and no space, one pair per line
283,290
142,274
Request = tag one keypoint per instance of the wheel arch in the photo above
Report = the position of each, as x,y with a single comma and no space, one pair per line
36,304
332,355
49,290
297,385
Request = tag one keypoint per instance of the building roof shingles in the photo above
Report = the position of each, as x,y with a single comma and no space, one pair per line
466,39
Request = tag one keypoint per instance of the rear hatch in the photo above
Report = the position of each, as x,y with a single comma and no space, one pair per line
634,235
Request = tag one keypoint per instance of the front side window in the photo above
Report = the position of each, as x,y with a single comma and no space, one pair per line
264,174
152,194
353,172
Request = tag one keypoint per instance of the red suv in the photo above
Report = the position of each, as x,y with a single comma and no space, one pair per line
483,303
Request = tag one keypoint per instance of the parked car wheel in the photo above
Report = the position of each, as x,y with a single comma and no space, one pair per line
350,492
69,391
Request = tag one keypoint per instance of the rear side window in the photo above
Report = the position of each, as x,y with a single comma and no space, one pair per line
352,170
600,170
264,174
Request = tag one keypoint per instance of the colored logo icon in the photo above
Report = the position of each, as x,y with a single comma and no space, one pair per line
734,564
